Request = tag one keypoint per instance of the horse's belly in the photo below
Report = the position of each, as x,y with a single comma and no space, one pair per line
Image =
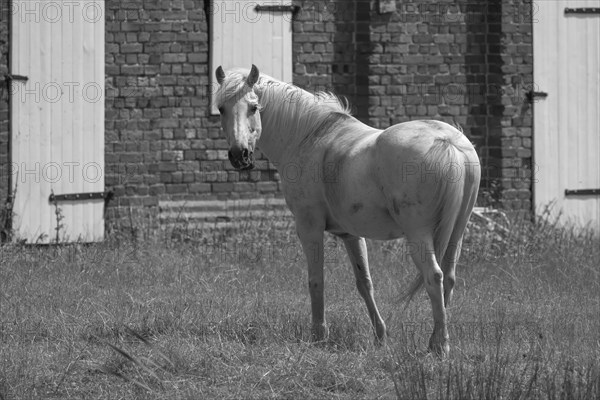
365,221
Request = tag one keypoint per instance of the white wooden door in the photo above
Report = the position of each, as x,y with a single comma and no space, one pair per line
242,35
566,39
57,119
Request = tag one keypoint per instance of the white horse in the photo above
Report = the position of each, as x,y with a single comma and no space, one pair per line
417,179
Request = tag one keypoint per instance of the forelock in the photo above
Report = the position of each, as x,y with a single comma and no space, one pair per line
234,87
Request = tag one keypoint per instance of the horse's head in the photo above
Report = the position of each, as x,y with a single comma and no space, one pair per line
240,117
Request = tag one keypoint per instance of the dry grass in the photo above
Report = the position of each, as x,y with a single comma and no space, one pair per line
192,314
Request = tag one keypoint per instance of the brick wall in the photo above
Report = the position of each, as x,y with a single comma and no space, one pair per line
154,81
515,62
161,142
331,40
460,61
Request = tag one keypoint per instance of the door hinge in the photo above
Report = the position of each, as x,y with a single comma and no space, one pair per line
14,77
532,95
278,8
582,10
81,196
582,192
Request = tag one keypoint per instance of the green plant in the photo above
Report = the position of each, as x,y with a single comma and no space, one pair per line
59,217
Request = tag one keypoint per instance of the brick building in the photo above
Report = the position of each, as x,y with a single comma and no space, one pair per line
464,62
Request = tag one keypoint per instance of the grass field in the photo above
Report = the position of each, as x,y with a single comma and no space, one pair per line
192,315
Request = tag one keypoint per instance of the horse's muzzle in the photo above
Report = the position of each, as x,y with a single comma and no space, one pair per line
241,159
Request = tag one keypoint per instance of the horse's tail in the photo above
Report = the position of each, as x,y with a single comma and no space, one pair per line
457,165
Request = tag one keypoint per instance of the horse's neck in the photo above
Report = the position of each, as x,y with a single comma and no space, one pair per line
286,122
273,140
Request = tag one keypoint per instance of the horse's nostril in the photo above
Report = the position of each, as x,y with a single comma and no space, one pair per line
245,154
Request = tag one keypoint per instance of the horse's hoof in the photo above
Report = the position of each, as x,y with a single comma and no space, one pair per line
440,350
319,333
380,337
380,332
439,345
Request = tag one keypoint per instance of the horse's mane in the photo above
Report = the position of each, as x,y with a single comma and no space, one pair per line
289,107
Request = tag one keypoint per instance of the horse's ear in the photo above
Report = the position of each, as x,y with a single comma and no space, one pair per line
253,77
220,75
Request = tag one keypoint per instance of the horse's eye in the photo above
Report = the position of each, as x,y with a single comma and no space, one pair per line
253,109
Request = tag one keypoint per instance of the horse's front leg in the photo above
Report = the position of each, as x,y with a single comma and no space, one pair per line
312,244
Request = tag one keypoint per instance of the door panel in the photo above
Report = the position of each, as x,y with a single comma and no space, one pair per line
57,129
567,122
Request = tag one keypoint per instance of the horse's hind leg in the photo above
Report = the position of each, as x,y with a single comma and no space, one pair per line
449,269
357,251
423,255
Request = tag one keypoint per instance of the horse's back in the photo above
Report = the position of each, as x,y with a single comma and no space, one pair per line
420,135
409,143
